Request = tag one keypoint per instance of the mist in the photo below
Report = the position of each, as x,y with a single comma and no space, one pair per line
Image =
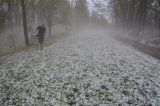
79,52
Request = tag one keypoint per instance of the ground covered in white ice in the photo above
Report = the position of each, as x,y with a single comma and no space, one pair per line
87,69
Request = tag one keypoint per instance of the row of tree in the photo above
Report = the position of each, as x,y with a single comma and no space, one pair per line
51,12
132,14
31,12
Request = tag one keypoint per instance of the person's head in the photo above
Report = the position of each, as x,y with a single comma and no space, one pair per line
42,25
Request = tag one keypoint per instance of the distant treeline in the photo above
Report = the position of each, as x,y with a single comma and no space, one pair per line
132,14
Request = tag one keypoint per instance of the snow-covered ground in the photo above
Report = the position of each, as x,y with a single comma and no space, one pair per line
84,70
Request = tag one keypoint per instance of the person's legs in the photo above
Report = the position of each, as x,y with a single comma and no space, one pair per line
41,41
41,46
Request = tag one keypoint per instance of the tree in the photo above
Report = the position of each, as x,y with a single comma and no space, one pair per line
82,13
130,14
6,7
159,2
66,14
54,12
25,23
98,19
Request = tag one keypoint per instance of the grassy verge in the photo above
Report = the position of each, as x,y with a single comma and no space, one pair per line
49,41
152,51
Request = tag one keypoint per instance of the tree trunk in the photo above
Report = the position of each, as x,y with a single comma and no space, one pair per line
50,29
159,2
49,26
25,23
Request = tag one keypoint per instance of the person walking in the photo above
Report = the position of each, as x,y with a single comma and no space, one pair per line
41,34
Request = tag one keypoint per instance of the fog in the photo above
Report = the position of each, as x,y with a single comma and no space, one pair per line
79,52
13,38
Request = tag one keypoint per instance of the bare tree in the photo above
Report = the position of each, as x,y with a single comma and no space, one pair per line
25,23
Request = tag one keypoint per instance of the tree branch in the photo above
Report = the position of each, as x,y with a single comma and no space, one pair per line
156,10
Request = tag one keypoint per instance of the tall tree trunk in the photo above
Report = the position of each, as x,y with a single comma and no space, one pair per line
49,26
50,29
25,23
159,2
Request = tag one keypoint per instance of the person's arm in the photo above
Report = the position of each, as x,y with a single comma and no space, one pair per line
45,37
